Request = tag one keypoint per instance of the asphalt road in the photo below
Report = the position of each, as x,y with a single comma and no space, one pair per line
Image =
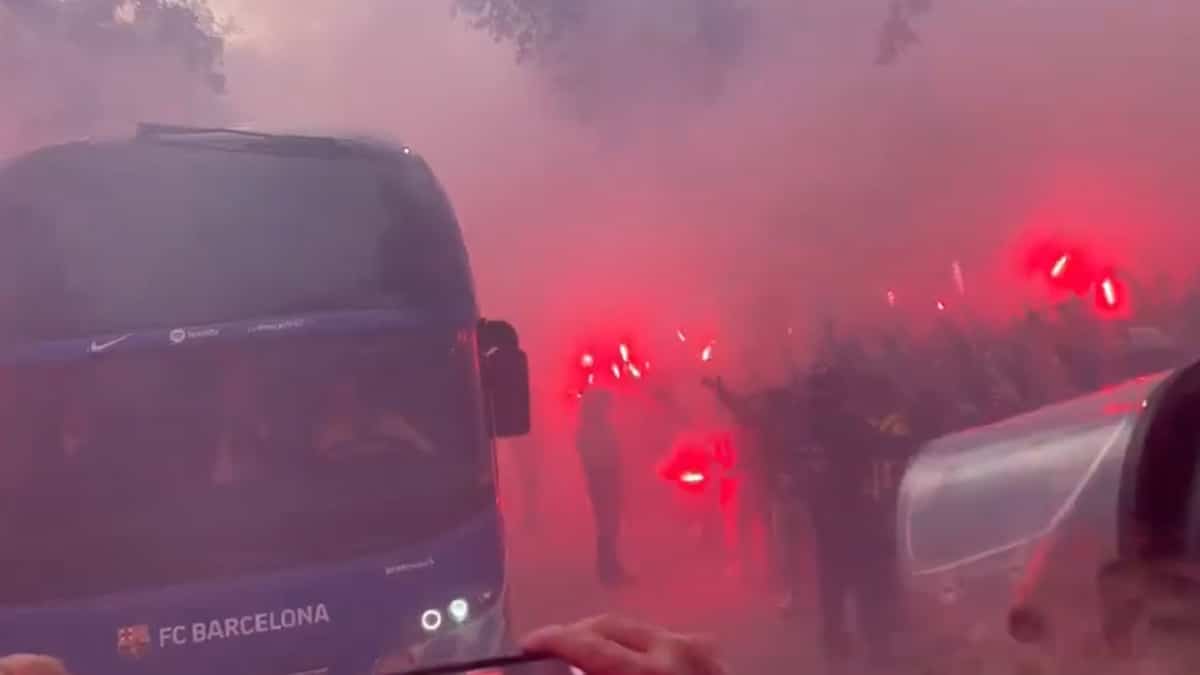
552,582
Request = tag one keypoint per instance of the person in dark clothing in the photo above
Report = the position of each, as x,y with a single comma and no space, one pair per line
853,507
770,419
599,452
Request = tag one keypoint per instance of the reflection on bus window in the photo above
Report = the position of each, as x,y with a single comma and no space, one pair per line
150,468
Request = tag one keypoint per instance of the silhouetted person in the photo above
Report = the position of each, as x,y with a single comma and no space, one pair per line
599,452
852,507
773,422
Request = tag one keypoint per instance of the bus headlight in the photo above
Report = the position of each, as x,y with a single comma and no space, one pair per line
459,610
431,620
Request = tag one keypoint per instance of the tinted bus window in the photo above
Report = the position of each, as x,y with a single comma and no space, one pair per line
137,236
1017,487
147,469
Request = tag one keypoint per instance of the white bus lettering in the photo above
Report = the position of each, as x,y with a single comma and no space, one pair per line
243,626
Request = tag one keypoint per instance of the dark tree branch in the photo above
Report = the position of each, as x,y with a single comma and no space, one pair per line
897,34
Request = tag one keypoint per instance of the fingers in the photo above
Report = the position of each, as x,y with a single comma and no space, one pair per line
31,664
615,646
586,650
696,654
627,632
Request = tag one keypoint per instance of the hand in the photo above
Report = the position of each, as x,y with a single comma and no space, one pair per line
31,664
609,645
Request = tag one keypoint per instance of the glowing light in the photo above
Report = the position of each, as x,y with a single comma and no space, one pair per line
1109,289
646,366
959,281
691,478
616,371
891,298
459,610
591,378
634,371
1110,294
624,349
681,335
587,360
431,620
707,353
1060,266
941,306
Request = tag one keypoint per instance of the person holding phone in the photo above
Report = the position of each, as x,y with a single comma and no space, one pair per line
31,664
604,645
609,645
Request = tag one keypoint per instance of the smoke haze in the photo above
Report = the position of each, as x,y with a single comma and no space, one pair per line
630,180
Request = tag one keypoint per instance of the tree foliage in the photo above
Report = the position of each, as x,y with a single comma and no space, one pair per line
606,57
532,26
184,30
897,34
71,68
538,27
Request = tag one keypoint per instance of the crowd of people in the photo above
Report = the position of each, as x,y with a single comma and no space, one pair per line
836,438
823,453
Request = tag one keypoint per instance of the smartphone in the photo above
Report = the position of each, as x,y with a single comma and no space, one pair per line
513,664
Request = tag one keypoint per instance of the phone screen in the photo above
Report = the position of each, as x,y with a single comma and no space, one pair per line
516,664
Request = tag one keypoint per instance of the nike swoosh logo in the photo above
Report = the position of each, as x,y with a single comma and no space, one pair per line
101,346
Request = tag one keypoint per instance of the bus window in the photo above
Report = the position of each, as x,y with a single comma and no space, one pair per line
1018,486
204,462
104,258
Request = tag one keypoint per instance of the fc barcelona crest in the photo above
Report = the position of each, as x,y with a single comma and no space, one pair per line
133,642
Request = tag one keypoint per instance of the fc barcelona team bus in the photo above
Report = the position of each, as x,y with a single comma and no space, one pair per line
247,410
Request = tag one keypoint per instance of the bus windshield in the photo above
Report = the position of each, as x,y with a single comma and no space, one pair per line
140,469
121,238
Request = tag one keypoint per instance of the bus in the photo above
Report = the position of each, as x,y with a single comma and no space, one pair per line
248,409
1014,534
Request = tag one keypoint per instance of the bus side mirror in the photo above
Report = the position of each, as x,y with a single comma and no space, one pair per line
505,369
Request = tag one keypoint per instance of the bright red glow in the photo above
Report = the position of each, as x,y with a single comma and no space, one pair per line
1064,267
724,453
1060,266
707,353
891,298
687,466
605,363
1110,294
681,335
941,306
